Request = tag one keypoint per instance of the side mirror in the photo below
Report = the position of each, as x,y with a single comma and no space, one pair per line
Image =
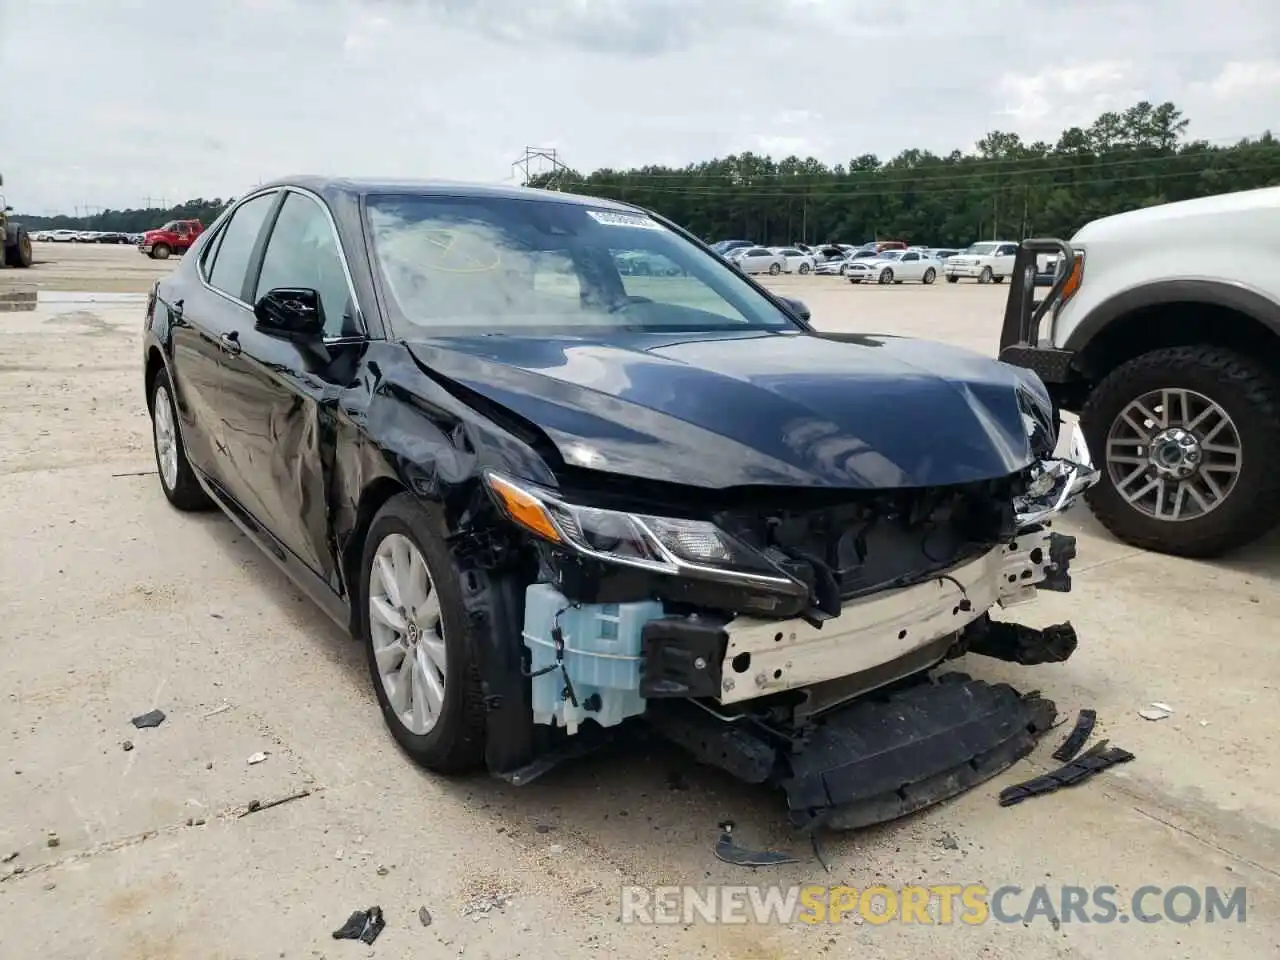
294,313
796,307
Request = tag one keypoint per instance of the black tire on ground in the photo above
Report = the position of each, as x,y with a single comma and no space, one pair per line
18,253
804,268
1249,394
160,251
456,743
997,279
886,275
775,269
929,276
186,494
985,276
953,279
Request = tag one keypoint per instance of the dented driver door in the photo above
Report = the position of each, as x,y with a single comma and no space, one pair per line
281,394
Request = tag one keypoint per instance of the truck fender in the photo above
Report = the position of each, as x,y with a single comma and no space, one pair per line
1235,296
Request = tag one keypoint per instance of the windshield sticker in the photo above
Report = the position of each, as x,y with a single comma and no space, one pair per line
612,218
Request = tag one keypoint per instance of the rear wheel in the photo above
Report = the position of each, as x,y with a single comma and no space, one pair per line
160,251
415,633
929,276
1188,439
18,254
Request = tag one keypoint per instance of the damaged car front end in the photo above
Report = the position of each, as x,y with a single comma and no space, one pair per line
556,499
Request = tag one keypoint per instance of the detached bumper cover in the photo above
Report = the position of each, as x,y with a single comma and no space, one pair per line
879,759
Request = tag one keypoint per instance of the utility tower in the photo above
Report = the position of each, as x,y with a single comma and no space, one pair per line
541,156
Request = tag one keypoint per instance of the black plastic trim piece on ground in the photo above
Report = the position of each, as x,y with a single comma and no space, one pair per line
1098,758
1015,643
1077,738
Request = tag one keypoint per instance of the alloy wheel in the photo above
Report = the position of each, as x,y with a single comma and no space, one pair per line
406,632
1174,454
166,437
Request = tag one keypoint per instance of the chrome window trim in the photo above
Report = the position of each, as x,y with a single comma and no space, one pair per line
337,237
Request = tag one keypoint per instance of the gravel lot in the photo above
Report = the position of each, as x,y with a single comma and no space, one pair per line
115,604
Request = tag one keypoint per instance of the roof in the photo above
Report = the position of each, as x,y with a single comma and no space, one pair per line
355,187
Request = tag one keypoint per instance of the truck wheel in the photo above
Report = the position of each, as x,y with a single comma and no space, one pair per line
160,251
415,631
953,279
985,276
998,279
18,254
1188,441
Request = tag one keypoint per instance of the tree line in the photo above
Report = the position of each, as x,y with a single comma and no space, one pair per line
1006,188
130,221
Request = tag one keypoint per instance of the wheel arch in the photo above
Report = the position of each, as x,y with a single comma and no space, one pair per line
1175,313
372,498
154,364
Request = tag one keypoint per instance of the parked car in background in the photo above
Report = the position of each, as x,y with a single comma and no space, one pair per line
988,262
723,247
176,236
797,261
942,254
759,260
894,266
830,260
62,236
641,263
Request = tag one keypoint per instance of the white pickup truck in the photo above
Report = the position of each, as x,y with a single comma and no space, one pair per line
988,262
1162,330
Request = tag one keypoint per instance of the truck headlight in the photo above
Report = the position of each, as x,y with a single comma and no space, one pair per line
669,545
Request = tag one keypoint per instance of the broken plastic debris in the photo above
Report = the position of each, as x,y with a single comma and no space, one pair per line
151,719
217,710
424,915
363,925
9,857
1156,711
257,758
730,852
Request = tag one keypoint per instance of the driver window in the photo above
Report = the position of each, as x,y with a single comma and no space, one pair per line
303,252
652,276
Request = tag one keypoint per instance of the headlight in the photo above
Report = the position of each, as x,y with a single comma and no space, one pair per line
691,548
1055,484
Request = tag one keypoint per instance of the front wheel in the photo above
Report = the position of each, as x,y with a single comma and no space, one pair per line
843,270
804,268
953,279
929,276
414,629
1188,441
775,269
886,276
160,251
177,479
985,276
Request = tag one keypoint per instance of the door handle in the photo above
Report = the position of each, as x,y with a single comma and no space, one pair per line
230,342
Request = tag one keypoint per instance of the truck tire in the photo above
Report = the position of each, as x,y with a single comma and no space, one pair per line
953,279
985,276
18,252
1227,494
160,251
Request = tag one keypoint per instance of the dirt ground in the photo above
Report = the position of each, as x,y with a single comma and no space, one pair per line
115,604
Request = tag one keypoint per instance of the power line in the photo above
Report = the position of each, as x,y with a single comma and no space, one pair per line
531,154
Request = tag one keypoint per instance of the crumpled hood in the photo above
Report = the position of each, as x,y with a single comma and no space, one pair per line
757,408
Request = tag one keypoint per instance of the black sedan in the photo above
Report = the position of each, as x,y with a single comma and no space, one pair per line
550,496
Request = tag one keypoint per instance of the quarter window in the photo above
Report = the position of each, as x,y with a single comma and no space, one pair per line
235,246
303,252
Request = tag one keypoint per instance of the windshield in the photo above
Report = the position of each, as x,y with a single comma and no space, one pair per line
502,265
982,249
890,255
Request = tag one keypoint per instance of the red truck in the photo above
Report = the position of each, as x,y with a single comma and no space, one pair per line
176,236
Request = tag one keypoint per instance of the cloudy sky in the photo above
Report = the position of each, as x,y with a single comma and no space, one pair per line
128,99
